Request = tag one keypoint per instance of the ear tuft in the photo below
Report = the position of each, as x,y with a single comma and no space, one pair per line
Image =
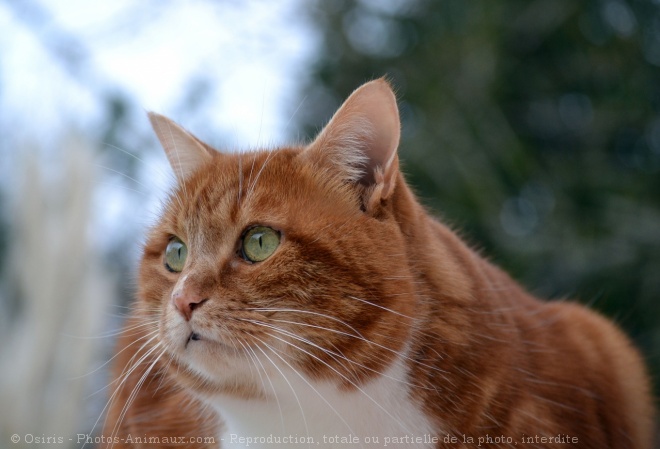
360,142
184,151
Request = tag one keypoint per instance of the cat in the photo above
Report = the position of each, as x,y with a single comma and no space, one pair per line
302,297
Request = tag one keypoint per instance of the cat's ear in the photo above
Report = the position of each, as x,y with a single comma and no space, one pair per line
184,151
362,138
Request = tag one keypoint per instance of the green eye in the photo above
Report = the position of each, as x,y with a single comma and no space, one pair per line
175,255
259,243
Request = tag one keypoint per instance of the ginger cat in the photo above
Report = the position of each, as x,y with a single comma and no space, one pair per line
302,297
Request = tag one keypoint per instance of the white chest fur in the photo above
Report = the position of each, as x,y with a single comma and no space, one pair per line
305,414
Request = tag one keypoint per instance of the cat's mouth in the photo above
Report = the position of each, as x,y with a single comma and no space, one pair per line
194,336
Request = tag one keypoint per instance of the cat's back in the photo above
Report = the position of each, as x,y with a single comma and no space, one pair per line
605,374
579,374
540,367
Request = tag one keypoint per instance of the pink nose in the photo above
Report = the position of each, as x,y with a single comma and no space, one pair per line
185,303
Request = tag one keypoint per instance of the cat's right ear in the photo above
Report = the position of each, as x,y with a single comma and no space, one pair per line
185,153
360,142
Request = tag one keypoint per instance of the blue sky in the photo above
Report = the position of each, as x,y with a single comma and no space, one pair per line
252,55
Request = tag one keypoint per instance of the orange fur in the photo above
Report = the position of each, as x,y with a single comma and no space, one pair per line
362,275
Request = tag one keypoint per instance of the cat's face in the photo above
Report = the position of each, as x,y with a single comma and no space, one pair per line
290,259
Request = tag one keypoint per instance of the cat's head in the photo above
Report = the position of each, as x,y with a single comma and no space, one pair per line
285,259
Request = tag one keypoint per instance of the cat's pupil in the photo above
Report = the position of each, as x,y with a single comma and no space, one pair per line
259,243
175,255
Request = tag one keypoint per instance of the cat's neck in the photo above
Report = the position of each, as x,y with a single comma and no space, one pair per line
302,413
445,264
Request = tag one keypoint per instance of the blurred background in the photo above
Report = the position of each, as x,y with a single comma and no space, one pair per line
532,127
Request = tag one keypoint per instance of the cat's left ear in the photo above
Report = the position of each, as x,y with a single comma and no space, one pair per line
184,151
360,142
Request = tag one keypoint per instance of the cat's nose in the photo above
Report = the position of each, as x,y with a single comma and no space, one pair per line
186,303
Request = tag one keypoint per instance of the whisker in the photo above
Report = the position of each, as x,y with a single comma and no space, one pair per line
341,375
380,307
275,351
254,159
112,333
358,336
330,317
295,395
122,174
164,370
255,359
121,186
295,112
240,177
254,183
341,355
115,147
135,391
121,379
111,359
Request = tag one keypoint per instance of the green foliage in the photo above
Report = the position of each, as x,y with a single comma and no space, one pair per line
531,126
